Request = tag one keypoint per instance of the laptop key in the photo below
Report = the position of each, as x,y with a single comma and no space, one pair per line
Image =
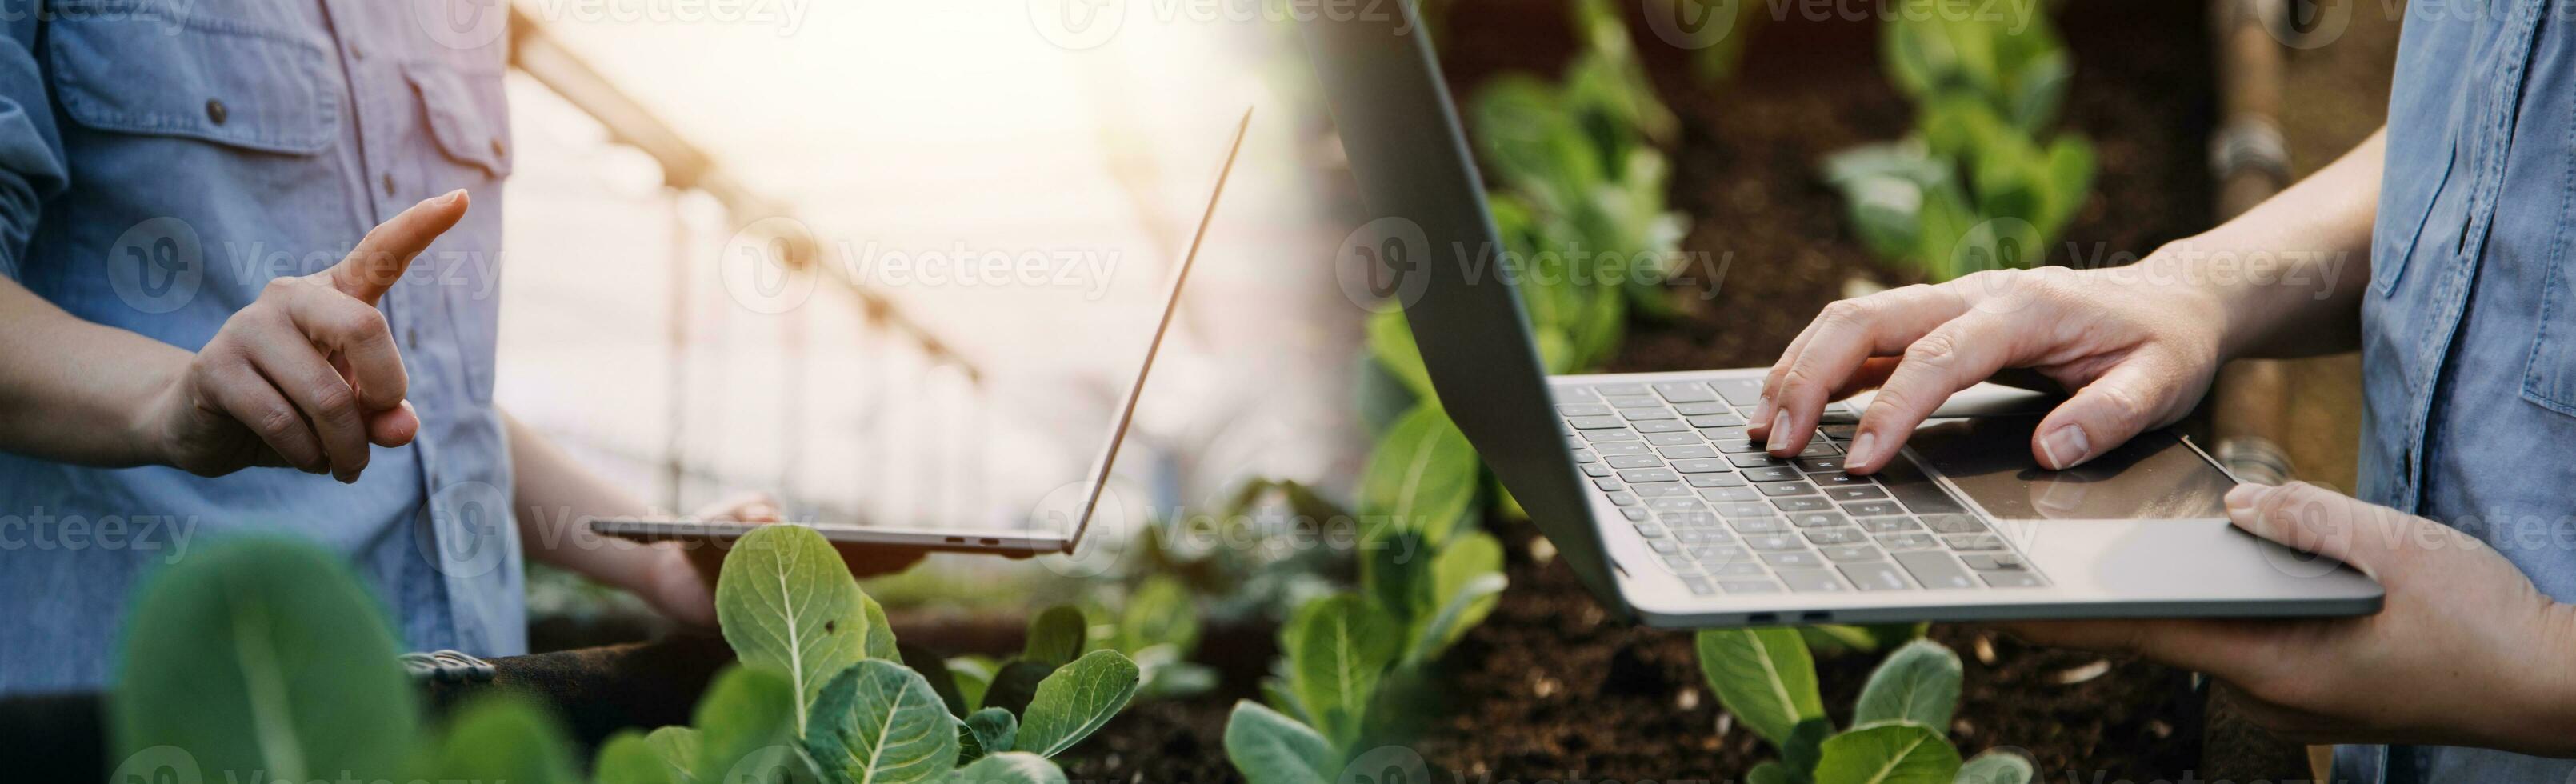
1657,474
2014,580
1747,509
1641,413
1660,426
1851,552
1689,536
1664,546
1779,474
1625,462
2000,562
1583,410
1714,480
1935,569
1839,414
1748,586
1685,392
1676,504
1739,391
1738,446
1974,542
1633,513
1953,524
1817,519
1703,409
1826,536
1658,489
1619,449
1596,470
1572,394
1686,518
1832,479
1755,460
1723,433
1812,580
1793,559
1650,530
1875,576
1854,492
1674,438
1773,542
1717,420
1787,488
1633,401
1586,456
1820,465
1623,498
1757,525
1716,557
1606,484
1737,493
1680,564
1819,449
1888,525
1908,541
1840,431
1701,466
1691,451
1872,509
1596,422
1622,434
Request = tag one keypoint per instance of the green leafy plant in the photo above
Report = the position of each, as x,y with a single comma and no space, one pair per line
264,659
1979,183
1767,680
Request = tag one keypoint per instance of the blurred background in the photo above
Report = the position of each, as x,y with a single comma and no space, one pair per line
737,269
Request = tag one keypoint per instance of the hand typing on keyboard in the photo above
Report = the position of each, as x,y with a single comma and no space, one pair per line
2137,354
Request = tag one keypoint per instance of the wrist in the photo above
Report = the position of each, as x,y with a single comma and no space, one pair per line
147,437
2547,698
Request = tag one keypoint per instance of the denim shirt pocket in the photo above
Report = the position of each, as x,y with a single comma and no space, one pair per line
213,80
467,119
2549,378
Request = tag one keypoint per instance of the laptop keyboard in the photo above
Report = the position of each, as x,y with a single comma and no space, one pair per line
1728,518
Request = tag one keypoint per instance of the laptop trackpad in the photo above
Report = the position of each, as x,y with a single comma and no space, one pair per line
2153,476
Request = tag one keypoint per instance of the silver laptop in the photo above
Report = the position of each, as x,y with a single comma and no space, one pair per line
1650,490
1085,500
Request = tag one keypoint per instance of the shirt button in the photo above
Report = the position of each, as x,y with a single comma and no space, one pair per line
389,184
215,110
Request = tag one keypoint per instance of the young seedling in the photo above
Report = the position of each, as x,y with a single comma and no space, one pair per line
1766,679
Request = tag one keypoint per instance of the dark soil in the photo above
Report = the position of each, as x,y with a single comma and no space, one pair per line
1551,688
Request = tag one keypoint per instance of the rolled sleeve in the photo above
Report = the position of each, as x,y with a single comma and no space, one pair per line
31,151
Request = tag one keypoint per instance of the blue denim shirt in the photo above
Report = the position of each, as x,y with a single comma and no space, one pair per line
2469,325
159,161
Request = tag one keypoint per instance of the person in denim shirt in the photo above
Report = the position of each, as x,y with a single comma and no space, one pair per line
2441,248
248,262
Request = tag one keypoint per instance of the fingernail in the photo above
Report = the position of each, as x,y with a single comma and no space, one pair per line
1779,431
450,198
1762,410
1864,448
2065,447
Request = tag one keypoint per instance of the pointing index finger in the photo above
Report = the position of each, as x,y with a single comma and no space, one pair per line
381,257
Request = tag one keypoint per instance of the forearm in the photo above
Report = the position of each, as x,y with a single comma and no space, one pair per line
2539,715
76,391
555,499
2289,273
